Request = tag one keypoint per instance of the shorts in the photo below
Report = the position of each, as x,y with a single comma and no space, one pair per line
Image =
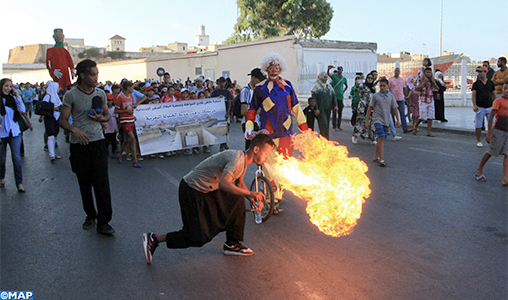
129,127
481,113
381,130
427,111
29,106
499,143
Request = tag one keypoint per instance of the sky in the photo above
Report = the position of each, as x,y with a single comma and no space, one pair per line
469,27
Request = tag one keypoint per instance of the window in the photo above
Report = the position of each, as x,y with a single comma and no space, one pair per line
183,48
198,70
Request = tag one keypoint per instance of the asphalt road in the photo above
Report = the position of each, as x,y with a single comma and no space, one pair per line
428,231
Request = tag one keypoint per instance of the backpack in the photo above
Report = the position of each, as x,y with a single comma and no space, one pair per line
237,107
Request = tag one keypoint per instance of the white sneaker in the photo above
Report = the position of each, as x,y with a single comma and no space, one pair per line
354,140
373,143
397,137
479,144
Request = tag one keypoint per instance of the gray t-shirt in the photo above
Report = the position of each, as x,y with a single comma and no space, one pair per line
205,177
80,103
382,108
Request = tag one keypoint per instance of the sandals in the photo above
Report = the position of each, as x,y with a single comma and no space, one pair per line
382,163
375,160
137,165
430,134
120,160
480,178
415,131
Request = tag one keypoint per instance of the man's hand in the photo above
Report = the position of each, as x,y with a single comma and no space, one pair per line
58,74
475,108
96,117
82,137
336,108
397,124
489,137
256,197
73,73
316,112
330,67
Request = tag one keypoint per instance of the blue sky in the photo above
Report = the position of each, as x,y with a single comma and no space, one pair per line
468,27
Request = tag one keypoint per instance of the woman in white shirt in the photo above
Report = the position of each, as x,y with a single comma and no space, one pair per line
11,110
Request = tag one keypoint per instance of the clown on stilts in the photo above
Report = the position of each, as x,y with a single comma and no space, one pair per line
59,61
275,99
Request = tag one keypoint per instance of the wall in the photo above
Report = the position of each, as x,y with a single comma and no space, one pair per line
183,66
240,59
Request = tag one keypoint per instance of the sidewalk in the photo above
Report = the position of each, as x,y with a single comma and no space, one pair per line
460,120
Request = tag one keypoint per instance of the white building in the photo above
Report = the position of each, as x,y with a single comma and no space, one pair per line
116,43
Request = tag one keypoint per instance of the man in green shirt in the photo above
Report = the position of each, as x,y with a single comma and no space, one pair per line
339,84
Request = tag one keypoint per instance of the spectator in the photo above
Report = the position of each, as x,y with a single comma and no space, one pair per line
396,86
500,76
51,122
381,105
497,136
490,73
326,101
12,110
124,107
339,84
426,86
310,113
365,90
439,104
29,96
483,93
256,76
89,159
222,92
166,83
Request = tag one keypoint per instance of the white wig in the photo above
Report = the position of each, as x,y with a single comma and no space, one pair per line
273,58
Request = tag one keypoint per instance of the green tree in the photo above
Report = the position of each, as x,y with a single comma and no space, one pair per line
260,19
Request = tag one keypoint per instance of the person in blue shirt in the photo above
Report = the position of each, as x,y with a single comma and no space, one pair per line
28,96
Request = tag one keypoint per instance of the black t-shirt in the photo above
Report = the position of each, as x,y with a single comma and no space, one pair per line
309,113
225,92
483,93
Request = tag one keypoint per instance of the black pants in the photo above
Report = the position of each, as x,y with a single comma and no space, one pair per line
90,163
247,142
111,140
205,215
337,116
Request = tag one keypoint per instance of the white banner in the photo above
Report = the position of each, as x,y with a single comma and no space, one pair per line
180,125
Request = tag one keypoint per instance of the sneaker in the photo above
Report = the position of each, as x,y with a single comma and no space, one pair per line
161,156
373,143
195,151
106,230
187,152
206,149
226,147
153,156
46,147
150,243
479,144
354,140
396,138
52,158
129,157
221,148
236,249
169,153
88,224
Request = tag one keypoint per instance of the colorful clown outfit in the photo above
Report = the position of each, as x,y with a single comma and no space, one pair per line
277,103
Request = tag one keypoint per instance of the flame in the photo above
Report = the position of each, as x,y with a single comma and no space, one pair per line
334,184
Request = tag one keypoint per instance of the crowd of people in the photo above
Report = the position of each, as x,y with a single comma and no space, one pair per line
379,106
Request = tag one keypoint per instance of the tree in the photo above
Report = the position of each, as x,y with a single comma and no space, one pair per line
260,19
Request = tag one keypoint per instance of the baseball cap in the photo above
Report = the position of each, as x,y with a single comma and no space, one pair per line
340,67
256,72
148,88
165,89
221,79
482,69
184,90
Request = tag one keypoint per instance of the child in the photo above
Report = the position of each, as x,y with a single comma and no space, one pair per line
310,113
381,105
124,106
111,129
497,137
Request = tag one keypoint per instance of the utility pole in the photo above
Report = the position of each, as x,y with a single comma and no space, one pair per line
441,31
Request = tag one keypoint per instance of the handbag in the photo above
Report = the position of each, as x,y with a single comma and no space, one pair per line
23,124
44,108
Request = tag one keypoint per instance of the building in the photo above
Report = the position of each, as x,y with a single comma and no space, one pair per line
305,58
202,40
116,43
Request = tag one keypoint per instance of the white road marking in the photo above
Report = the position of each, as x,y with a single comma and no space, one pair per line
436,152
170,178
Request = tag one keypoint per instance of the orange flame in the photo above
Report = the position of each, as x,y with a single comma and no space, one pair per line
334,185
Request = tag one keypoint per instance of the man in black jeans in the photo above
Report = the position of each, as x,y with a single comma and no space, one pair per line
89,157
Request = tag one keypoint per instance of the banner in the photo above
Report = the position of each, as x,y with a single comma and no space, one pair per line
180,125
